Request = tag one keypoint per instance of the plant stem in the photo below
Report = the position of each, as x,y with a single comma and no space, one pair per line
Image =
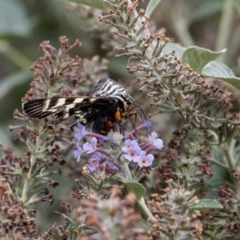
217,163
144,207
228,158
25,190
127,171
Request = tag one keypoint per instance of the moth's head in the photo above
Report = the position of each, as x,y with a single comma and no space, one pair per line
130,101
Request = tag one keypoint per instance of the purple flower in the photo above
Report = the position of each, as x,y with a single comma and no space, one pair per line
100,161
145,160
129,144
81,132
92,166
156,142
132,154
147,124
93,162
105,139
78,152
90,147
111,166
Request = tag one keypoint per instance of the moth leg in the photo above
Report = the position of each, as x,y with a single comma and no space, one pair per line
129,113
134,119
117,127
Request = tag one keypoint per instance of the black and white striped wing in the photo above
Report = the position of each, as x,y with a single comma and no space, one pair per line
84,109
107,87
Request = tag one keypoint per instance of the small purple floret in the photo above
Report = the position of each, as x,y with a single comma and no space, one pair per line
80,132
129,144
132,154
147,124
156,142
78,152
90,147
93,162
145,160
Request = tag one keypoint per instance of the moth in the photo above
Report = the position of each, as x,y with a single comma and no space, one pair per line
108,104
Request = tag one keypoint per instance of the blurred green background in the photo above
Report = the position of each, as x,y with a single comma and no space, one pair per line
212,24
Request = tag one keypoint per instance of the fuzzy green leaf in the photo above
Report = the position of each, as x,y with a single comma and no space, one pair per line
198,57
151,7
221,71
179,50
205,204
92,3
135,187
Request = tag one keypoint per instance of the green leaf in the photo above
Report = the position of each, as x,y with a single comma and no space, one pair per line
174,46
135,187
92,3
14,20
205,204
221,174
220,70
198,57
151,6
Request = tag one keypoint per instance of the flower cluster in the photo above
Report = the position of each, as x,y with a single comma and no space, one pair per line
130,149
88,147
140,155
